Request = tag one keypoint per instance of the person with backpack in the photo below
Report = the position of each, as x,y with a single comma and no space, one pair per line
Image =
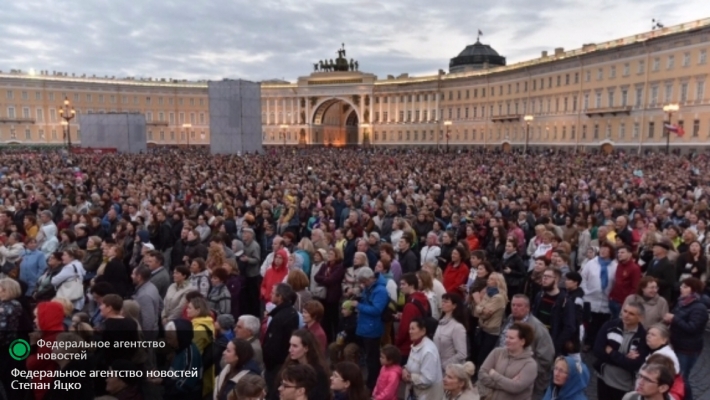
203,327
416,305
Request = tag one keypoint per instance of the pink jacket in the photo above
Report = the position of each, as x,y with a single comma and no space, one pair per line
387,383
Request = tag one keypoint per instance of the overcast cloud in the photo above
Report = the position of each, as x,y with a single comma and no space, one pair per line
259,40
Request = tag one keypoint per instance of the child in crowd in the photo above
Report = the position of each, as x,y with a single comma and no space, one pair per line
390,374
344,348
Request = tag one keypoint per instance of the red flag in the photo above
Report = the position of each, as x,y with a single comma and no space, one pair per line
677,129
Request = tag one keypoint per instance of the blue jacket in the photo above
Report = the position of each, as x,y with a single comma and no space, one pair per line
577,381
372,304
688,327
32,267
306,261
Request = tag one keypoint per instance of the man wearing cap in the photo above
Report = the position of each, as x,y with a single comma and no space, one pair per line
662,269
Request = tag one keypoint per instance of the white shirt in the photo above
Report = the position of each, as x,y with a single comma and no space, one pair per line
430,254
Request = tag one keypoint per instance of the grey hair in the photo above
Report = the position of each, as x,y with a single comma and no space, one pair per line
251,323
662,329
363,273
522,297
47,213
637,305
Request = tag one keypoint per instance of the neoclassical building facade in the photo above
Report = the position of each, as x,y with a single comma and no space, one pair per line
608,95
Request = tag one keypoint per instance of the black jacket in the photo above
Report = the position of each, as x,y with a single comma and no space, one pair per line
408,261
118,276
195,249
688,327
664,272
515,280
564,319
284,320
616,357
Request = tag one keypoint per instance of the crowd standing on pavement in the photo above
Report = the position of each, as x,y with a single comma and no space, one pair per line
356,274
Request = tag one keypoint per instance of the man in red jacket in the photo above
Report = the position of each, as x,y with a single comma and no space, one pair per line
628,275
409,285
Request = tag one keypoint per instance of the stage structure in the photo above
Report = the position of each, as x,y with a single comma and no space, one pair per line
124,132
235,117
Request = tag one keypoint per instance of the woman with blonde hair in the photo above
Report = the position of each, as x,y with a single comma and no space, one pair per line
457,382
305,252
426,285
490,309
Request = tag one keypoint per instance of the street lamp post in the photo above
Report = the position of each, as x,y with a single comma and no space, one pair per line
283,135
670,109
528,118
67,113
447,124
187,127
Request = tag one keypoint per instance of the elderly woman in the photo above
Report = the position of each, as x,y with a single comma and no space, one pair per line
457,382
570,378
655,307
509,372
422,373
351,287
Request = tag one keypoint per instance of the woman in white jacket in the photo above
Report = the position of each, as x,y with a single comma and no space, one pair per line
423,373
598,276
73,268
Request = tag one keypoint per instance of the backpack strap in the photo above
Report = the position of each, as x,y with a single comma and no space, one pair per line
209,332
420,306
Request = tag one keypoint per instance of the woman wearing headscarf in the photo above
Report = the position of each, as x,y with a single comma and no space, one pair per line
178,335
570,378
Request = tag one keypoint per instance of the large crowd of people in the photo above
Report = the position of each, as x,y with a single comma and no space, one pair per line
354,274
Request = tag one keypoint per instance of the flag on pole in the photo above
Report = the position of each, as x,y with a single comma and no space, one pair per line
677,129
480,33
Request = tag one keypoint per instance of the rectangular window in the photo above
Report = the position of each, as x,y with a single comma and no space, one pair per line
684,92
10,95
611,98
703,57
385,116
627,68
612,72
574,103
696,128
639,97
101,99
559,80
573,133
654,96
192,101
598,101
40,115
624,97
88,98
622,131
671,62
147,101
52,115
700,92
641,67
113,99
202,118
38,96
171,118
600,74
668,93
149,116
160,101
401,115
586,102
576,77
636,130
192,119
466,113
28,134
161,116
25,96
41,134
656,64
54,134
584,132
567,79
11,112
596,131
686,59
26,113
651,127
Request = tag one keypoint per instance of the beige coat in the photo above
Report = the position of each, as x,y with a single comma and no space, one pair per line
490,312
514,376
654,309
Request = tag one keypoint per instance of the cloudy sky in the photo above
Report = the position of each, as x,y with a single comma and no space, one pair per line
214,39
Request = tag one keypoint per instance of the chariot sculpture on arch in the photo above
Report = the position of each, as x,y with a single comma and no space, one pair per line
340,64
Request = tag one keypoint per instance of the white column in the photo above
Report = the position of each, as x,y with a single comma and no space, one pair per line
389,109
396,109
298,109
428,111
268,111
361,130
380,111
404,108
436,104
372,107
285,120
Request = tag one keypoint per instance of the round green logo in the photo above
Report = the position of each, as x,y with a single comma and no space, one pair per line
19,349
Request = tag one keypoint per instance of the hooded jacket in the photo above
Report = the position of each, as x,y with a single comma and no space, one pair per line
50,321
274,275
372,304
410,312
576,383
187,357
502,385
